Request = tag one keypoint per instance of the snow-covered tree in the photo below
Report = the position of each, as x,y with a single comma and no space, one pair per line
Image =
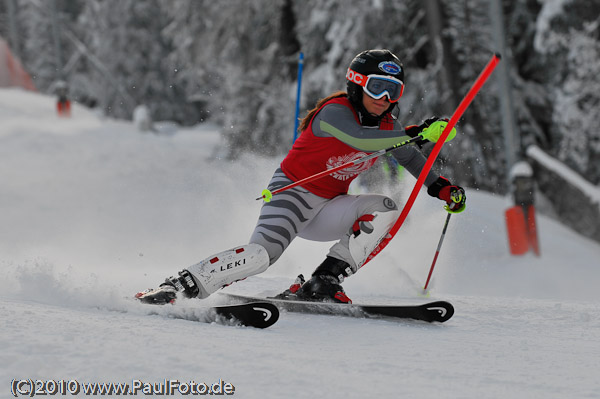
127,36
234,62
39,54
568,40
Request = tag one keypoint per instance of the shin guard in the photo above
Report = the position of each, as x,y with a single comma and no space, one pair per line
227,267
368,233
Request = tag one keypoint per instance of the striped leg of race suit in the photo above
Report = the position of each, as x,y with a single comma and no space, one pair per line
293,213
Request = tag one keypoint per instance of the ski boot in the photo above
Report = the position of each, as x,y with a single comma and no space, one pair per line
324,285
290,293
167,291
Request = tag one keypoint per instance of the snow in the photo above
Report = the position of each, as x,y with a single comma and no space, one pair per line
521,169
588,189
544,39
94,210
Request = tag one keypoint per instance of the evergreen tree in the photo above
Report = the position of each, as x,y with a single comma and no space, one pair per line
127,36
39,54
234,61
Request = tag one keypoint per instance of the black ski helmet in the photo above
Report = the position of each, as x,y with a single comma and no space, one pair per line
377,62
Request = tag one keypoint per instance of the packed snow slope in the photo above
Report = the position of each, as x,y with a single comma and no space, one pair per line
92,211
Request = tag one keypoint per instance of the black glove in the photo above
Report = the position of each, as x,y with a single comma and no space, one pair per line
454,196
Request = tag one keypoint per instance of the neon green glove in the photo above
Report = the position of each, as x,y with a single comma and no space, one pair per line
434,131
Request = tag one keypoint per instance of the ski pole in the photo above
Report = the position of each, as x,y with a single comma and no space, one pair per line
267,194
437,252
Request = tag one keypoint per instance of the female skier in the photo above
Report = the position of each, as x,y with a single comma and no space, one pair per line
343,127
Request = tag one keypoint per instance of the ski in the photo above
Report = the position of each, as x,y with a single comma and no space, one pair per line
258,314
438,311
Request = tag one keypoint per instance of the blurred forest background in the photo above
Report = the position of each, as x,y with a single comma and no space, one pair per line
234,63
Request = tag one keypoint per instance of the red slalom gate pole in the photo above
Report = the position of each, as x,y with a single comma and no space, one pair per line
460,110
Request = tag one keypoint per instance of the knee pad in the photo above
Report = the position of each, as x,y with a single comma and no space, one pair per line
367,233
227,267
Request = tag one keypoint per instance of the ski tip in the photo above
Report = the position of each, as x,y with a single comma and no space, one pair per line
498,55
267,313
251,314
444,310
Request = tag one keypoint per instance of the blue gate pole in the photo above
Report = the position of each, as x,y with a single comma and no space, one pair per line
300,65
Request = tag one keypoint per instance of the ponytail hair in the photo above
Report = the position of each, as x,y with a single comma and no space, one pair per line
306,120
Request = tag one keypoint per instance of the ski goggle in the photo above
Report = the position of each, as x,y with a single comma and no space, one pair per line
378,86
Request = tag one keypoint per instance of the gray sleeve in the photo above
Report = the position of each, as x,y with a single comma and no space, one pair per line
336,120
413,160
